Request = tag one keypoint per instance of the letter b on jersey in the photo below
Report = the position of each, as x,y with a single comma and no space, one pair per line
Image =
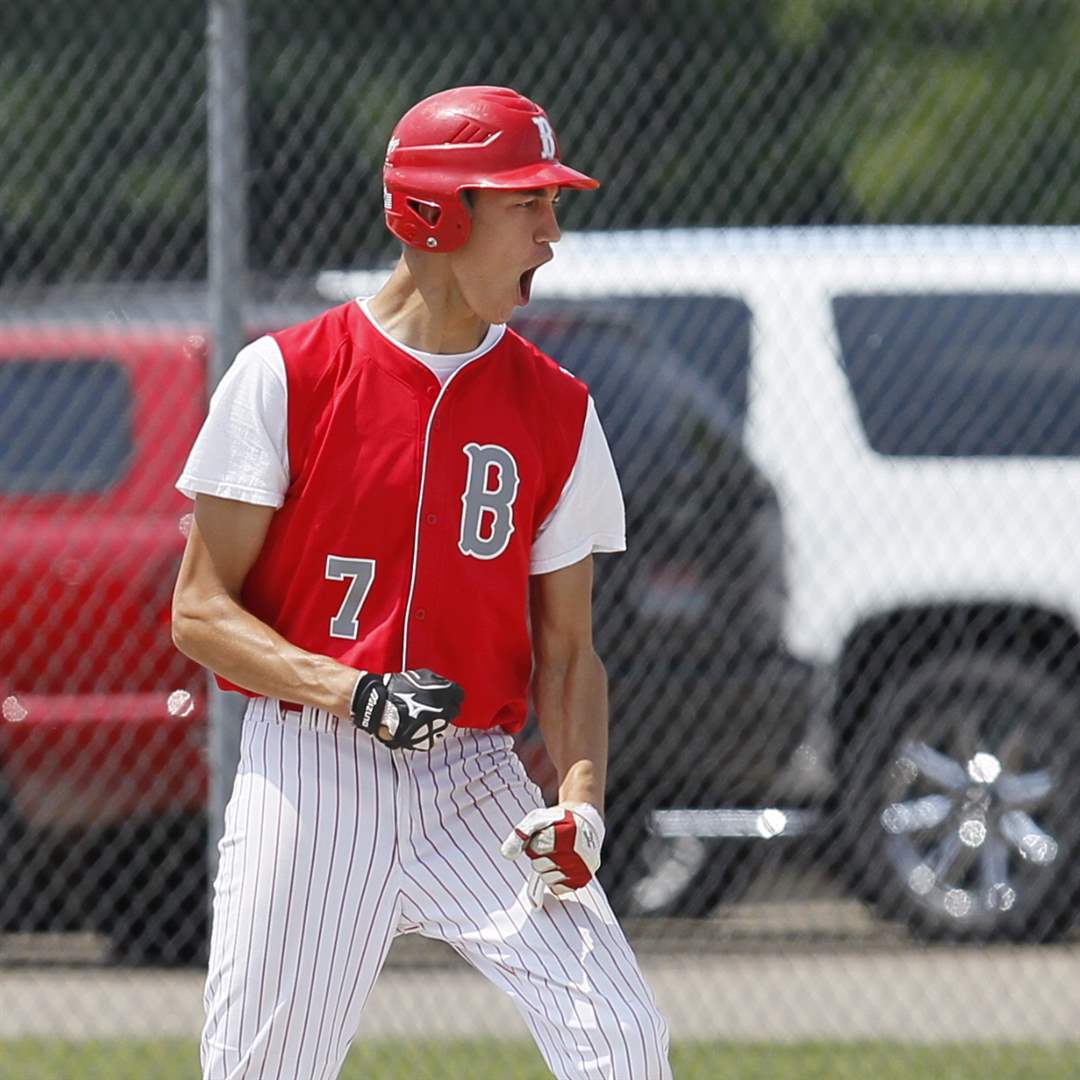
487,515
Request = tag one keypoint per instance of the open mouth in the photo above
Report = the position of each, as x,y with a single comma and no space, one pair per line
525,285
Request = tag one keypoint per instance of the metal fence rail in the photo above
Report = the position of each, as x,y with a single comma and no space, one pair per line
828,305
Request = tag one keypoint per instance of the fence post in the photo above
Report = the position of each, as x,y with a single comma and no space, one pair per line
227,248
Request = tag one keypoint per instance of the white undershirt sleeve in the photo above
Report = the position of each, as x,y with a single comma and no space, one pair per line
589,516
242,450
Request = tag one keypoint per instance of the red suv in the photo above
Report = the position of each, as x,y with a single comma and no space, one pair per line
103,772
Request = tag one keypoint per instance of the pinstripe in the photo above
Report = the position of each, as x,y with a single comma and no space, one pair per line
660,1027
245,884
436,850
596,894
339,1004
379,955
567,912
541,985
553,1052
425,860
431,897
266,954
561,911
231,810
295,844
303,936
253,882
617,963
344,893
365,955
501,869
221,932
370,959
360,915
325,897
504,759
254,886
219,943
437,907
603,933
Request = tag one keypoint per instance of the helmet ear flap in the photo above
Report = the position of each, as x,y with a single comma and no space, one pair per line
429,223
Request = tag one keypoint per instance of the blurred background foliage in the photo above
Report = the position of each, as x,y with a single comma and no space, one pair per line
693,112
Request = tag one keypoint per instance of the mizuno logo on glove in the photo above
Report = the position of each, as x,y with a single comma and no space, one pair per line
408,710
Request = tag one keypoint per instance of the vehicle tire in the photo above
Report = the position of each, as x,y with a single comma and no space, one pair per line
155,910
960,800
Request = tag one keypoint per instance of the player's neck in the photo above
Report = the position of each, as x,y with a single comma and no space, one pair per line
422,307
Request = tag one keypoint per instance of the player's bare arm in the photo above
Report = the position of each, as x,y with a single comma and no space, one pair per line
570,693
210,625
569,682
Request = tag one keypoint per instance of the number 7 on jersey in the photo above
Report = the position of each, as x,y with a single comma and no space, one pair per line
359,573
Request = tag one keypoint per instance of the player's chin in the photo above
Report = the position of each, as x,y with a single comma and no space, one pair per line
500,311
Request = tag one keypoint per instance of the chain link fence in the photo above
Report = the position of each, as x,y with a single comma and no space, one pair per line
828,304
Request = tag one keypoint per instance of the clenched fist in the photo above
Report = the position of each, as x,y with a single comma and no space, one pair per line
407,709
563,843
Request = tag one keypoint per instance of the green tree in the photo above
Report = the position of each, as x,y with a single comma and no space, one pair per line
949,110
692,112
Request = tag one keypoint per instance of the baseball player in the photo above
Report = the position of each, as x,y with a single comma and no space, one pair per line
396,508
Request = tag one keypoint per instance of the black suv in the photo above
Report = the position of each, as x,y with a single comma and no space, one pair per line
707,709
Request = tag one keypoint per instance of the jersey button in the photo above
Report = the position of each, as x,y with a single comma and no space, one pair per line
432,519
421,614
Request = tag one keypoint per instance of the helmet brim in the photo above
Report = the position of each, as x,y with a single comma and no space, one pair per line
541,175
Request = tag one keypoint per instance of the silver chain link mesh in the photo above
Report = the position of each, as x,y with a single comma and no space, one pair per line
843,646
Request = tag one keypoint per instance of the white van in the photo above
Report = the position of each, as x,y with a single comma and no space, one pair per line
912,396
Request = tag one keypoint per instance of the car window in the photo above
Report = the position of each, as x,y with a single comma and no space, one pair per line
65,425
975,375
648,360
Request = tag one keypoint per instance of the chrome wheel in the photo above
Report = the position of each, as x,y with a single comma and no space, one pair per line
964,836
973,828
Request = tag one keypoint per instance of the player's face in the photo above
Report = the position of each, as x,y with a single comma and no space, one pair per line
511,236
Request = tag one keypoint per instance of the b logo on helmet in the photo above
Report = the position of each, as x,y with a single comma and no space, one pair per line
547,138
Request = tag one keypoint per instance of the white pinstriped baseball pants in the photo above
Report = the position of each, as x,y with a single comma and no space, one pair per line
333,844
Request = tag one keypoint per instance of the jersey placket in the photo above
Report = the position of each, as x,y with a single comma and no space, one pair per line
416,611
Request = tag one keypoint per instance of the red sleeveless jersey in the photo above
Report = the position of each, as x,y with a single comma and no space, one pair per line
405,535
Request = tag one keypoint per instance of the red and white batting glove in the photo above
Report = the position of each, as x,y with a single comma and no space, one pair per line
563,843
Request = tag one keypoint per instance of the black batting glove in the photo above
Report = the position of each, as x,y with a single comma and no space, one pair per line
406,710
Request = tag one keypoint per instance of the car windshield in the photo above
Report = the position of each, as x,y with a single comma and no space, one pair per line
65,425
965,375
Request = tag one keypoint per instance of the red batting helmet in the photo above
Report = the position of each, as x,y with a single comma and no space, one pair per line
468,137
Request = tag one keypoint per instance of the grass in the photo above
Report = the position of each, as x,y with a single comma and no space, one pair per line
39,1059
